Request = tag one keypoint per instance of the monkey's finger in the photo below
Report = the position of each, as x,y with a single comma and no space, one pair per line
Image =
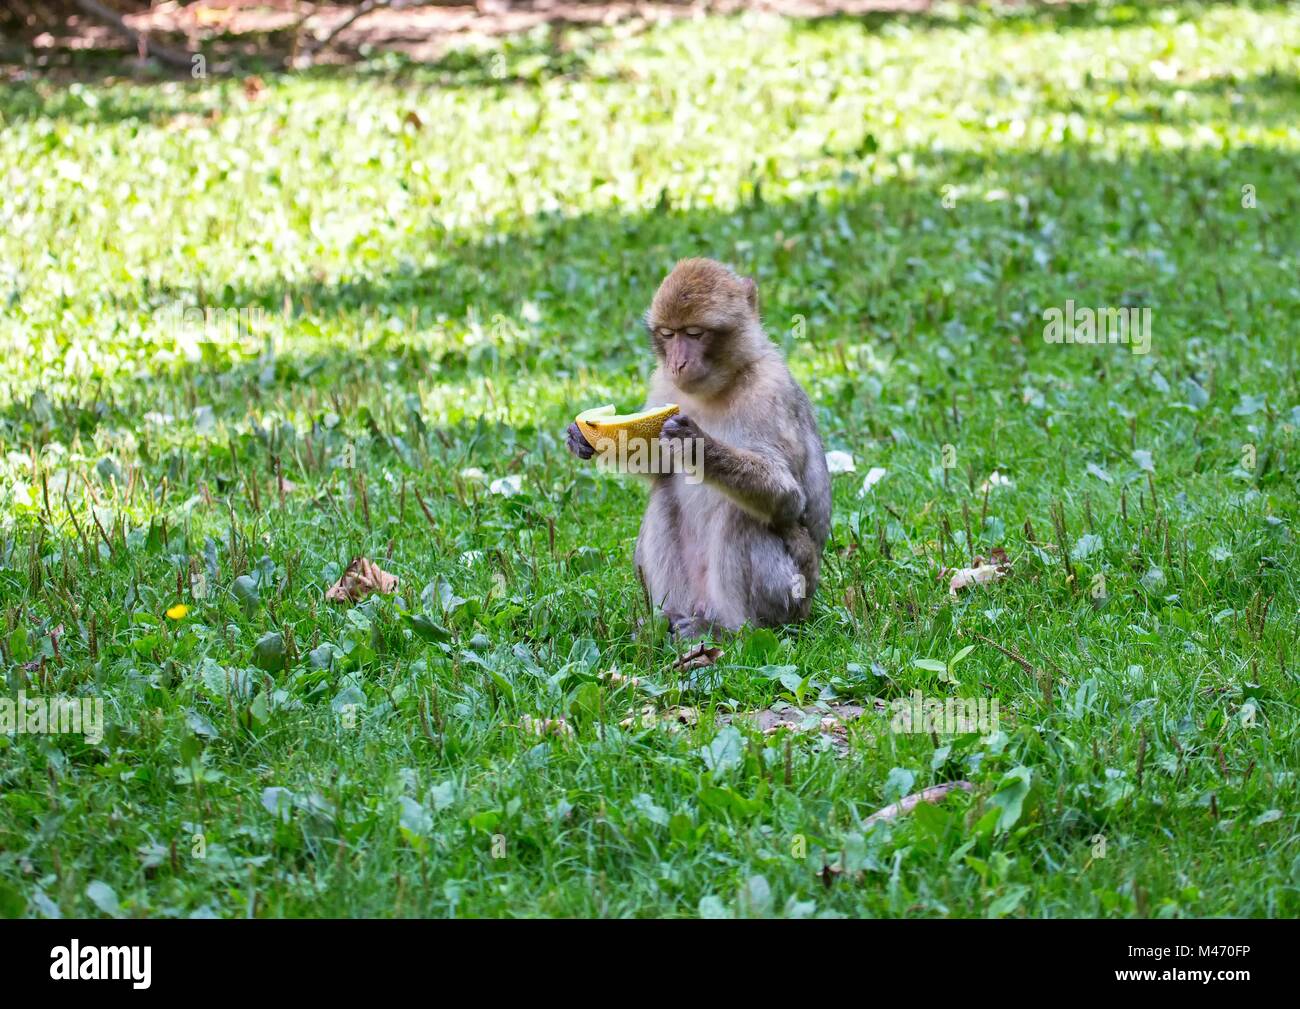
578,444
681,427
581,449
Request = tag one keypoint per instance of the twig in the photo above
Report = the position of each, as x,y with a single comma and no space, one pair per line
905,805
304,54
425,508
1010,653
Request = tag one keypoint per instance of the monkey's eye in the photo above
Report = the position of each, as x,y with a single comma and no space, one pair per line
667,334
694,332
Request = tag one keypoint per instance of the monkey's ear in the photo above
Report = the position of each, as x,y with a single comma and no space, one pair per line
751,293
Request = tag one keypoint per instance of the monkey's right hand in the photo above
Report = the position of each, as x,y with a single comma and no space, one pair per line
577,443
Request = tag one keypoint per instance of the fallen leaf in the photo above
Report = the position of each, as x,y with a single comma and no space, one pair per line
994,481
981,572
672,718
545,726
253,87
362,578
873,477
697,658
905,805
617,679
507,486
829,720
769,720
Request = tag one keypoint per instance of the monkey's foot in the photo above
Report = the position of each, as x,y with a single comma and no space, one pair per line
685,628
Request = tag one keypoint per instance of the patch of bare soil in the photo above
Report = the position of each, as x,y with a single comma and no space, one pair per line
420,32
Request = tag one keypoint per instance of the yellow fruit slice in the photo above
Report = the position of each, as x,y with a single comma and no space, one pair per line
602,422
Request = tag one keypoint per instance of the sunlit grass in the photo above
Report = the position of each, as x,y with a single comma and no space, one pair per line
441,266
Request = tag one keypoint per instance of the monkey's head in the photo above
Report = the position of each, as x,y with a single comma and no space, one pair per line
704,325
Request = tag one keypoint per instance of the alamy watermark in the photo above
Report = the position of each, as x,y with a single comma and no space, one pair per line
38,716
651,456
946,716
1131,326
193,326
75,962
207,322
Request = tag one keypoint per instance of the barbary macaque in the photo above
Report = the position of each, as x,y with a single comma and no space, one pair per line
743,545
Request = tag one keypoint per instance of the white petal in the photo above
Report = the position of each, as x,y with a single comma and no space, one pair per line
874,476
840,462
507,486
996,479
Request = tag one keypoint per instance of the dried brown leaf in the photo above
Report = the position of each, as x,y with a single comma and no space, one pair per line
768,720
362,578
828,720
545,726
697,658
981,571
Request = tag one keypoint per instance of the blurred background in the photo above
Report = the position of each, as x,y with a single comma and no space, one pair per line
296,31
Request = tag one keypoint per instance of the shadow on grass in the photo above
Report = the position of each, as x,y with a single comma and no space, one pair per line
881,265
1270,99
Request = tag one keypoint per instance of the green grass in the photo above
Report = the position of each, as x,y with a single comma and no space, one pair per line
445,295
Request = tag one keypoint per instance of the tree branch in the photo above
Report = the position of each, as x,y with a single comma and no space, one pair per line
142,42
364,8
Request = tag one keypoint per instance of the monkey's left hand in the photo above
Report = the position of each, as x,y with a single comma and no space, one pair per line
679,428
576,443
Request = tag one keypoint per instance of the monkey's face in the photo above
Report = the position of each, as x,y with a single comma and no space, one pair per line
700,322
689,356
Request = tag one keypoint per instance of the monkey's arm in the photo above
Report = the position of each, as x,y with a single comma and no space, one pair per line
762,483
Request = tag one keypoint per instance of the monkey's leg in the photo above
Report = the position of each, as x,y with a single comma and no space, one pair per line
771,573
686,627
807,559
660,560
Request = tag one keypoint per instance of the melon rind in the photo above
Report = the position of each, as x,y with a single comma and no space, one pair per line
602,422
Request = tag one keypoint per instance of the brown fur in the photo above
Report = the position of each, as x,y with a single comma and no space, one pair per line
701,292
745,545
